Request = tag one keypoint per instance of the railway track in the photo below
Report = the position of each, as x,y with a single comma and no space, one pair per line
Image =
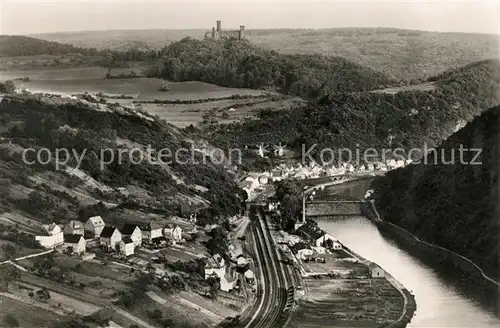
272,294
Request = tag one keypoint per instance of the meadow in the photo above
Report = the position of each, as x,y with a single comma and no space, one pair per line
76,80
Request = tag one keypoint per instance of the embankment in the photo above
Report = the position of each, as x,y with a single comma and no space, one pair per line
465,274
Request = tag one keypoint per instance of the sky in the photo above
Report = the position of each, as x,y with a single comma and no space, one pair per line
39,16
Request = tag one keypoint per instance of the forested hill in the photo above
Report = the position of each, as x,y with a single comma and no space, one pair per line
368,119
17,45
98,132
240,64
452,205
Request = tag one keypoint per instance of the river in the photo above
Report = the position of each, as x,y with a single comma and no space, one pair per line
439,304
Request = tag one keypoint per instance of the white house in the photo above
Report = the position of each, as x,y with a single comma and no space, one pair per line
276,175
249,276
132,231
376,271
242,262
94,226
263,179
326,239
74,244
400,163
51,236
228,280
319,250
151,231
216,266
110,238
305,253
173,233
127,246
74,228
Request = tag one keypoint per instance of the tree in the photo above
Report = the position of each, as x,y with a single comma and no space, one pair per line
7,87
8,274
214,283
155,314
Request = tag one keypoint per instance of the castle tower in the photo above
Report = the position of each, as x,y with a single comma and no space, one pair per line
219,26
241,32
213,32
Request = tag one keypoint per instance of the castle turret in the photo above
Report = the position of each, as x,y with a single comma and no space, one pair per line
219,26
242,32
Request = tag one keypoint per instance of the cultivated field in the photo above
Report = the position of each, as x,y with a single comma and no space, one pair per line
38,317
348,303
70,81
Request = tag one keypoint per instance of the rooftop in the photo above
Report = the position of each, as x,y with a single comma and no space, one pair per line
72,239
311,231
152,225
128,229
107,232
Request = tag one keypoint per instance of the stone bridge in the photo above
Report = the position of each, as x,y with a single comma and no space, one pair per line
333,206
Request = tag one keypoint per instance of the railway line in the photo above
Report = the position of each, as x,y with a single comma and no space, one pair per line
273,301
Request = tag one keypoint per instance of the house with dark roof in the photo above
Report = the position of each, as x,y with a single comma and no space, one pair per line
127,246
110,238
151,231
74,244
74,228
317,236
132,231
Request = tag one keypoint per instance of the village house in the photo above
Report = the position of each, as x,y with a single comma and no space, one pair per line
216,266
303,251
127,246
228,280
276,175
319,250
94,226
379,166
110,238
242,262
51,236
249,276
152,231
248,187
173,233
235,251
74,228
316,235
132,231
376,271
74,244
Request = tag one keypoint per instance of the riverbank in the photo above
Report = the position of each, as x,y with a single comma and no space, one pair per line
341,280
465,274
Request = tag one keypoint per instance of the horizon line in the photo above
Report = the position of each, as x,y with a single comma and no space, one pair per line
252,29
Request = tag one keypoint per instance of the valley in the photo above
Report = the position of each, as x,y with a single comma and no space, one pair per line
134,241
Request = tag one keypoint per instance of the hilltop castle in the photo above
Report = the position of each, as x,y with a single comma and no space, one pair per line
220,34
